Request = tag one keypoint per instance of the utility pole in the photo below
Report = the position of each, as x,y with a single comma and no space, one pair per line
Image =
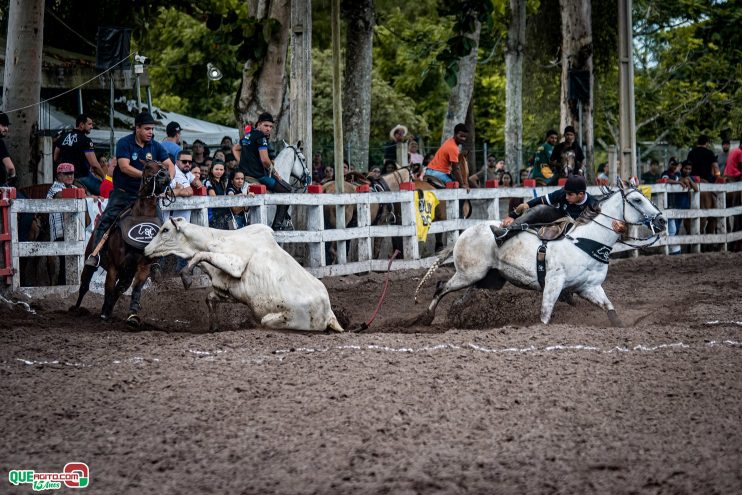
300,81
627,117
337,102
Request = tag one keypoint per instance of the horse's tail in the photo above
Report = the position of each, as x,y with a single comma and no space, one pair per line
438,262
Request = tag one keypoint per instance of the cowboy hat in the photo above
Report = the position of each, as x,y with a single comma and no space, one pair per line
398,127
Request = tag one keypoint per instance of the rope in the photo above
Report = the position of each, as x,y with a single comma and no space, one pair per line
367,324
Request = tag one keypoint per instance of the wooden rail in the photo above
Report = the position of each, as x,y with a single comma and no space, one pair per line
314,236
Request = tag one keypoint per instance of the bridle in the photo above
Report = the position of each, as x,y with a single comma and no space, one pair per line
149,186
647,220
306,177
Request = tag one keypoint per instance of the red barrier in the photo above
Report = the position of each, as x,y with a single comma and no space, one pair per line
72,193
6,194
491,183
407,186
529,182
452,185
562,181
697,179
314,188
363,188
663,180
200,191
257,188
721,180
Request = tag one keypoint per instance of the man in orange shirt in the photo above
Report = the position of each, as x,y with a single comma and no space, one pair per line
445,164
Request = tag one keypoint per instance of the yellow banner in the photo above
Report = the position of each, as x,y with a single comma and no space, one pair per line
425,213
646,190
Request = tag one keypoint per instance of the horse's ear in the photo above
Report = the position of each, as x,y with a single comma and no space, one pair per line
176,222
300,146
620,183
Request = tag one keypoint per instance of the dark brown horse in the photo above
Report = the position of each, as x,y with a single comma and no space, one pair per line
126,265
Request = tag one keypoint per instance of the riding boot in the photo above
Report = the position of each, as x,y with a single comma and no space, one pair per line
280,222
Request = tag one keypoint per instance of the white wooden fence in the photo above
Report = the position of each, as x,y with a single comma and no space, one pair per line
314,236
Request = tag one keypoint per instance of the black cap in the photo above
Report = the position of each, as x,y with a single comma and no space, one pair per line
4,120
575,184
144,118
265,117
172,129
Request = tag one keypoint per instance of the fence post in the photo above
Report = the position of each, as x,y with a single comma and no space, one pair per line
340,223
315,223
695,223
721,222
74,230
365,245
452,213
408,208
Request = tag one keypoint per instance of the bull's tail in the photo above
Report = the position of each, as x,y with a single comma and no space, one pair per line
438,262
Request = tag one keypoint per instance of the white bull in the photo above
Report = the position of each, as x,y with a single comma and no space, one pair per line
248,266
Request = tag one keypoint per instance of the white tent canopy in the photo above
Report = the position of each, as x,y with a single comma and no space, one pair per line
52,119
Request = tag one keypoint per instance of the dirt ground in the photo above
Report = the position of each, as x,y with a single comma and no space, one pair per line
487,400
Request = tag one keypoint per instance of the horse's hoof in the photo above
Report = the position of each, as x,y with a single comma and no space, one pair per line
615,320
133,321
106,318
187,280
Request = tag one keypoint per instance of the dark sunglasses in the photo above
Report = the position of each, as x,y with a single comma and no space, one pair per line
186,161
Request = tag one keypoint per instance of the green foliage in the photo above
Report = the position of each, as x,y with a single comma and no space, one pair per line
180,47
388,108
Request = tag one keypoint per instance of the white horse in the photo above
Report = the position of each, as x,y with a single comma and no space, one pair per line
577,263
291,165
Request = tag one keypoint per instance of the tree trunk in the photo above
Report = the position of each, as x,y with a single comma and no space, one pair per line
22,87
300,82
458,102
469,146
514,87
577,54
264,81
359,15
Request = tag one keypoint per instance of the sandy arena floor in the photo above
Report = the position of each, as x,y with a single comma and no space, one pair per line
487,400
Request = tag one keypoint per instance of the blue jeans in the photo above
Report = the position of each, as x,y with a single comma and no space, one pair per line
445,178
673,227
117,202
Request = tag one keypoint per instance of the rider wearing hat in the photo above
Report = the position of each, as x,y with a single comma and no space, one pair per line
570,201
254,156
131,153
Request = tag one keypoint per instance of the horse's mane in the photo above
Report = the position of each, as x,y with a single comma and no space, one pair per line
589,213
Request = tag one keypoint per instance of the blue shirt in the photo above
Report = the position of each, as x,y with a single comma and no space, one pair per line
172,149
127,147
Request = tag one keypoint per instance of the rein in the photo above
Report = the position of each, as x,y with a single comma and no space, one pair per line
648,221
306,177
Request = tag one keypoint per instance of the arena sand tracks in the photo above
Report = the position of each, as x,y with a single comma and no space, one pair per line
487,400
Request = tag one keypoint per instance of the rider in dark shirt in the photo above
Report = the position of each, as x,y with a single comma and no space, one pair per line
569,201
254,156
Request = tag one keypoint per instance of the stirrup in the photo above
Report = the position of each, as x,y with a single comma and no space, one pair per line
93,260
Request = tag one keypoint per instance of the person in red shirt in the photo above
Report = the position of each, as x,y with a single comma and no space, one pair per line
733,169
445,164
107,185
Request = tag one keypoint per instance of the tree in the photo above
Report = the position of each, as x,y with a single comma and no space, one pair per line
22,83
577,68
359,16
264,73
514,76
460,58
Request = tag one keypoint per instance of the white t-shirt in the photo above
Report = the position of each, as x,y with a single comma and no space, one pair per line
184,179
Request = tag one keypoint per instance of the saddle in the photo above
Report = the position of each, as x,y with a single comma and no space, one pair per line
435,182
137,232
546,233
